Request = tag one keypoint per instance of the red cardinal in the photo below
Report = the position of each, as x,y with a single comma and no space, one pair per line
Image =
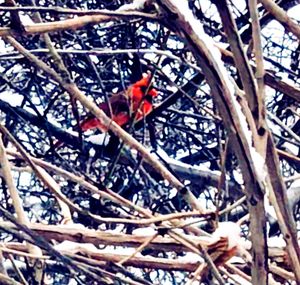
137,99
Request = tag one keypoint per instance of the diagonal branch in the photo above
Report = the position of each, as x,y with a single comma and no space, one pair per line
239,55
282,17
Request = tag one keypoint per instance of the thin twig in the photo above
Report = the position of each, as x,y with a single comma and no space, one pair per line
139,249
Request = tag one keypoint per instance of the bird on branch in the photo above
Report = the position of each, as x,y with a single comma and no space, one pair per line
133,103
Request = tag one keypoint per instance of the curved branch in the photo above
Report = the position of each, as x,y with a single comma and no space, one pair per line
75,23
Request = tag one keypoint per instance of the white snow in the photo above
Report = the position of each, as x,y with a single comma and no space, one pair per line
276,241
229,230
12,98
100,139
144,231
74,246
25,19
135,5
173,161
190,257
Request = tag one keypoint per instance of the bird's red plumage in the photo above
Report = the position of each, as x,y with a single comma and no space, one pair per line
124,104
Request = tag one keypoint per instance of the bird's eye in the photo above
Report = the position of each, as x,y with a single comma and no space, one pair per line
144,89
148,98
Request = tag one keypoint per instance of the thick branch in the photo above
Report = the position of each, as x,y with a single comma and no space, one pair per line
222,91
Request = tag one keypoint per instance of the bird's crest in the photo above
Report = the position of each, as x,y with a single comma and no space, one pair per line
144,84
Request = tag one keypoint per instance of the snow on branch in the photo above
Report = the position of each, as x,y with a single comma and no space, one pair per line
207,50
